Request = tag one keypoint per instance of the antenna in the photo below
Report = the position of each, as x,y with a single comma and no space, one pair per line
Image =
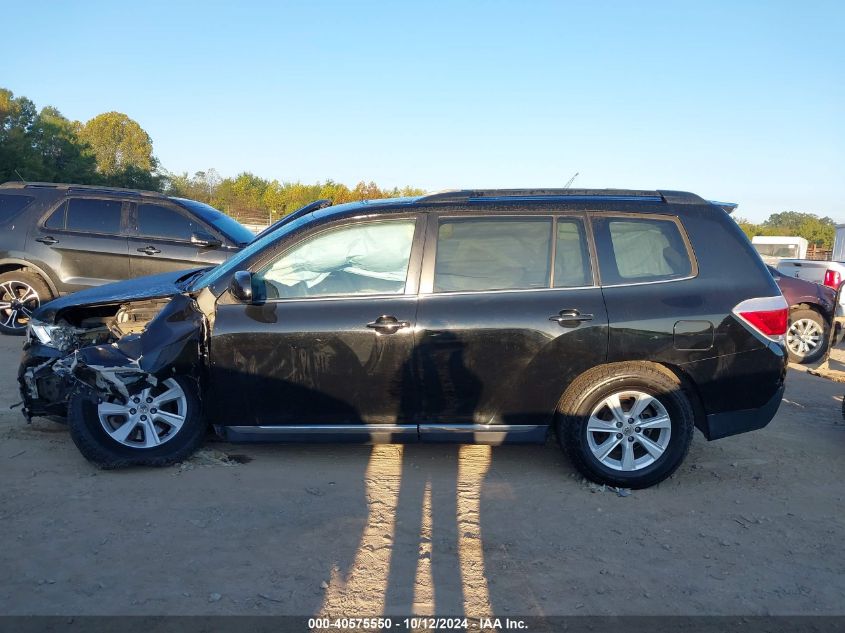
570,181
19,176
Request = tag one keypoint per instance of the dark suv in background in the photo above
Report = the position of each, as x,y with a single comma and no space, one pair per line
56,239
616,319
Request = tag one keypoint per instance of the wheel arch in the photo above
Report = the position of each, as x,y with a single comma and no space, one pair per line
8,265
674,372
815,307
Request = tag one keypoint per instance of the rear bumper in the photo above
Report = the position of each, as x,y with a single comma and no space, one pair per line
718,425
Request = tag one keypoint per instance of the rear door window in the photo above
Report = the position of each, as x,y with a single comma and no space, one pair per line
637,250
504,253
155,220
93,216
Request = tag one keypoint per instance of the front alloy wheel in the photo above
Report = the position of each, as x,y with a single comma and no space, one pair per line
158,426
148,419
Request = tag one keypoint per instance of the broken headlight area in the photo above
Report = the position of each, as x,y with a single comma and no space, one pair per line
116,351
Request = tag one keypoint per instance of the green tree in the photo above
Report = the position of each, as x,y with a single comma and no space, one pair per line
121,147
63,157
17,118
749,228
816,230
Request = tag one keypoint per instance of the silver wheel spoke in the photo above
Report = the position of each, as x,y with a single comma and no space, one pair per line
615,407
150,434
659,422
595,425
627,455
168,396
5,305
654,449
124,430
171,419
640,405
12,318
607,447
112,408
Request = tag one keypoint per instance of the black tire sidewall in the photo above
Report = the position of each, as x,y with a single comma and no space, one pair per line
97,446
808,313
37,283
677,406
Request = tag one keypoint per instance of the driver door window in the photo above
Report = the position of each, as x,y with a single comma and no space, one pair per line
368,258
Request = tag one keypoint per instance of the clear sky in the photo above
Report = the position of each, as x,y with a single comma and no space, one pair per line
735,100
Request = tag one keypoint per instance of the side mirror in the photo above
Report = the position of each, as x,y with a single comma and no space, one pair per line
206,240
241,286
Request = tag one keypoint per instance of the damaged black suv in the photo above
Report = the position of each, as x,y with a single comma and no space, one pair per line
619,319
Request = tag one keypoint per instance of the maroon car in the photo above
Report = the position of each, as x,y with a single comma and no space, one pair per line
811,313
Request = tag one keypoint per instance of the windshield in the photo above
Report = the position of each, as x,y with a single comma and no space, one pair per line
234,263
787,251
230,227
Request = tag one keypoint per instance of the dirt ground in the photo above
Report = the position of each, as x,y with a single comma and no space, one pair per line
749,525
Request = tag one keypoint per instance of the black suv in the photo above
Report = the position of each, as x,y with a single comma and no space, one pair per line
618,319
56,239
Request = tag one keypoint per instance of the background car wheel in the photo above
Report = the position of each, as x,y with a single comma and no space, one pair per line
806,338
159,426
21,294
626,424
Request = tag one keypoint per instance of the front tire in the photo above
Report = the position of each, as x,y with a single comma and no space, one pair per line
159,426
21,294
626,424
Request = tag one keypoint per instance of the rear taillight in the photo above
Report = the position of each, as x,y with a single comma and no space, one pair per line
832,278
767,315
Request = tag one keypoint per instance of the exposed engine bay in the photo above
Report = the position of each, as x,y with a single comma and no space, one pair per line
118,350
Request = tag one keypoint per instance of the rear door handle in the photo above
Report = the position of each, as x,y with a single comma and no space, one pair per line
49,240
570,317
149,250
388,324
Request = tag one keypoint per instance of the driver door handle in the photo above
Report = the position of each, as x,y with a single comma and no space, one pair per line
149,250
49,240
388,324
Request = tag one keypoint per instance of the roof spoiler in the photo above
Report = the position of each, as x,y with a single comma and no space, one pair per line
727,207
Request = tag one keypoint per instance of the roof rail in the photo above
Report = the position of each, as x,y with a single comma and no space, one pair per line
458,195
81,188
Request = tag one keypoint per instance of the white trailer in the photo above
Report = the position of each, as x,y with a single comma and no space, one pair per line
773,248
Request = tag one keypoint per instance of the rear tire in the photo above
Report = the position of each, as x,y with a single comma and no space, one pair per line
626,424
807,336
21,294
89,417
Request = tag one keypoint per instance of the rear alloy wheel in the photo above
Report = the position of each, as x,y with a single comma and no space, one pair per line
806,338
629,430
158,426
626,424
21,294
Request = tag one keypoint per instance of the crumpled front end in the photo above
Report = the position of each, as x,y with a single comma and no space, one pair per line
116,350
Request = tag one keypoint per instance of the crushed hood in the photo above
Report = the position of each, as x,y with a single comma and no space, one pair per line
150,287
